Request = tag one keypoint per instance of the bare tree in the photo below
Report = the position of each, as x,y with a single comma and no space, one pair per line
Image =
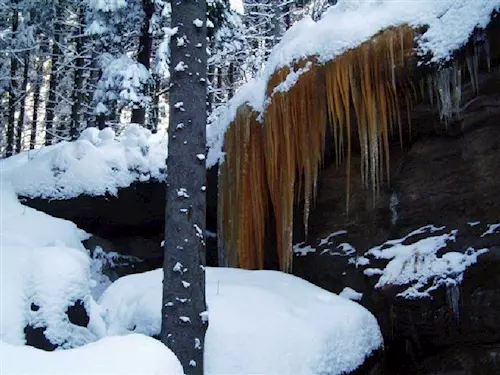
184,316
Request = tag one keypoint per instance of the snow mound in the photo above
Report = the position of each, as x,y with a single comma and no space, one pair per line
260,322
132,354
99,162
419,264
44,269
346,25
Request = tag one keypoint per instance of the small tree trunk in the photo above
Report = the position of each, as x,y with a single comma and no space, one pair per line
36,102
154,108
230,83
184,320
51,101
12,89
22,111
144,55
77,94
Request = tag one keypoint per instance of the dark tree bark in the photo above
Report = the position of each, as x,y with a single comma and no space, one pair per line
153,115
51,101
12,89
36,102
144,55
230,79
77,94
184,320
22,110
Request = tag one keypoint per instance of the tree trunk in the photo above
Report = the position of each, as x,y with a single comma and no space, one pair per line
36,102
22,111
77,94
144,55
230,83
153,117
184,317
12,89
51,101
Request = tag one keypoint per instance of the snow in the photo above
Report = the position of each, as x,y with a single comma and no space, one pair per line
131,354
419,265
346,25
492,229
107,5
99,162
44,265
301,249
351,294
261,322
198,23
42,261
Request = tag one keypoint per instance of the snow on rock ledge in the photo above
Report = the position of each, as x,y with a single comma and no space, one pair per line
132,354
260,322
98,163
349,23
419,265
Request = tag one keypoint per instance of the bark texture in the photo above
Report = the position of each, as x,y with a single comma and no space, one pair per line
184,320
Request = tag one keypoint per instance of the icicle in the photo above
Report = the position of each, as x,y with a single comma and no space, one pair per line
475,66
453,299
470,68
457,88
487,52
430,89
444,91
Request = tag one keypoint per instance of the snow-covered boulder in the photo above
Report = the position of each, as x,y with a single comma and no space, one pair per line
110,185
259,322
98,163
131,354
46,294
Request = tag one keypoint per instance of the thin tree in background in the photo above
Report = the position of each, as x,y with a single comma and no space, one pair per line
184,316
50,105
13,86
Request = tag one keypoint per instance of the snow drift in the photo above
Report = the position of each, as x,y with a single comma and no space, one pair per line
261,322
98,163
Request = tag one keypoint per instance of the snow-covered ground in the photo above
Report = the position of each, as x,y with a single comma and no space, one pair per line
346,25
99,162
260,321
132,354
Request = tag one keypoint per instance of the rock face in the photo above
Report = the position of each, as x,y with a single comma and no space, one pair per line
138,210
130,224
449,179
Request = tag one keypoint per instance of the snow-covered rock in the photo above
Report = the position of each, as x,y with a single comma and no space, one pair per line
45,278
99,162
419,265
259,322
131,354
346,25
